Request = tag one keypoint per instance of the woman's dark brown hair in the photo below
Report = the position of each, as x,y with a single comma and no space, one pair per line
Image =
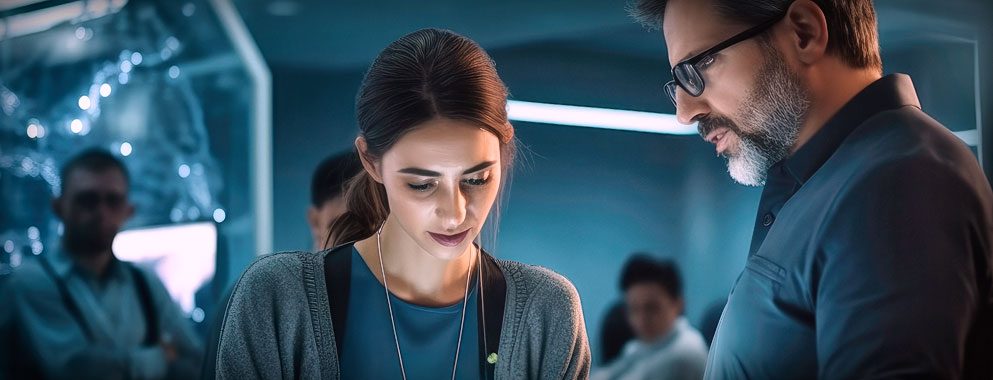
426,74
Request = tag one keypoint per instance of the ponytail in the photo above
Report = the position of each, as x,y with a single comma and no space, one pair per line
368,207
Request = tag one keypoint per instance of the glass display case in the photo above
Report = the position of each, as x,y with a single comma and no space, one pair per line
175,89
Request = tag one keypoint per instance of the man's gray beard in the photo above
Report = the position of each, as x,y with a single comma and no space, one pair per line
769,121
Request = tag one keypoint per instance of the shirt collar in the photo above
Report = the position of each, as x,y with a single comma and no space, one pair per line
64,265
886,93
678,326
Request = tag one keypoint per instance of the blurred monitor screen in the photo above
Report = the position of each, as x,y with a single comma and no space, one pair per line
183,256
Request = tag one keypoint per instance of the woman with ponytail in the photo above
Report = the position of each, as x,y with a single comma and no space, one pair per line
407,290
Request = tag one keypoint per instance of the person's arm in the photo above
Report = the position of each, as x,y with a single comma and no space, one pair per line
176,332
57,342
897,290
267,331
563,349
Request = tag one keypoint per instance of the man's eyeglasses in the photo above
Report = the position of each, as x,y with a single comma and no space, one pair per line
687,75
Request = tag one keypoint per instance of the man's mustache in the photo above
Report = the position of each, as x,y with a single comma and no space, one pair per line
708,124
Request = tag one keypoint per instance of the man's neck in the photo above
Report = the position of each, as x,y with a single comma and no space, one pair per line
94,263
830,87
663,336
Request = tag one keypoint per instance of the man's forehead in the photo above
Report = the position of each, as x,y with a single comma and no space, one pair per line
105,179
692,26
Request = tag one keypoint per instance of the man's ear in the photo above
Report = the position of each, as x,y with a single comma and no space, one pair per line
314,221
808,32
368,163
312,217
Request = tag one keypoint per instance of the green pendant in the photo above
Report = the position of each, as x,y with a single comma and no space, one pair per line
492,359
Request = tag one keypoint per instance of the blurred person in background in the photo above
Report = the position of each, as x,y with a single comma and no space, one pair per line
615,332
327,190
83,314
665,346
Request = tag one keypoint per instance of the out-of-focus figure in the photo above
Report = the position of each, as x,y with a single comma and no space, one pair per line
82,313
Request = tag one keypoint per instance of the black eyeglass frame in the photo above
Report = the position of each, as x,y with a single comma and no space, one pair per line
688,66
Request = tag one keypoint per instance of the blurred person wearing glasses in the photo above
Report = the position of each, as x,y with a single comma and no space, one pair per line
871,254
83,314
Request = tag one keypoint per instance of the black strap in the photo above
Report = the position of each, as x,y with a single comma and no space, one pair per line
338,280
494,296
152,333
144,298
67,300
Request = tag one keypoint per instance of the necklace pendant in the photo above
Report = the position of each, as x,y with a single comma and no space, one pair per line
492,359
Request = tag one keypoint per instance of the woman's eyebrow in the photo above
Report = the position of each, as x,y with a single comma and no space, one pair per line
431,173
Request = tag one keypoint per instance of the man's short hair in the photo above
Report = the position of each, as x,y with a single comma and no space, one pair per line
852,31
331,175
94,160
642,268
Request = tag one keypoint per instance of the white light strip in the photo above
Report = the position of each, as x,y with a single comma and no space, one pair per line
626,120
597,118
970,137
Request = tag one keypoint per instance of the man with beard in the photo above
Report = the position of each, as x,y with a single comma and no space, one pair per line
84,314
871,253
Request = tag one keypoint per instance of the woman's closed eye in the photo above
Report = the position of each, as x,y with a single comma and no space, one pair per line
469,182
422,187
481,181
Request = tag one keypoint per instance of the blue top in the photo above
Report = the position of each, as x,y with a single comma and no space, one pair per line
428,335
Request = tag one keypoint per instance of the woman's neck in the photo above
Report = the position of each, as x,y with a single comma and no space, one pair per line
415,275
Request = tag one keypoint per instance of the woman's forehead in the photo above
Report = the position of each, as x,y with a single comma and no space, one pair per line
444,143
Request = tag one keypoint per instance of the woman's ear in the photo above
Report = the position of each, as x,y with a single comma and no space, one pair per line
370,165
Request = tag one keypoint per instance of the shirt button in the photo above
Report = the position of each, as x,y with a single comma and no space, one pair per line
767,219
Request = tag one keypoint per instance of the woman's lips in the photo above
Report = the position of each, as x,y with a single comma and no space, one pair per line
449,240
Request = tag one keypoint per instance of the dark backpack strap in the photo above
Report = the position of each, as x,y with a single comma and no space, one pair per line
152,333
494,295
337,280
67,300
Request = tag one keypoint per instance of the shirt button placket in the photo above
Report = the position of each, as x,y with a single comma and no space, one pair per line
768,219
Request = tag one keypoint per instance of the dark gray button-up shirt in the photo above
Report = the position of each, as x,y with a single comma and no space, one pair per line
871,255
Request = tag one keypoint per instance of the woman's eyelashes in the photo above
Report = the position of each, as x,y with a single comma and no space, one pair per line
424,187
479,181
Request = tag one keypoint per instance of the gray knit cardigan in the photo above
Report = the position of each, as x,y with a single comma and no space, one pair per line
278,324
